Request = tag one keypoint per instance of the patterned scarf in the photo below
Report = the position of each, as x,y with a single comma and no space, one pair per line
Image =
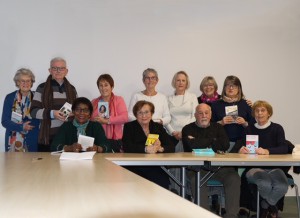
230,100
21,106
80,127
205,98
47,101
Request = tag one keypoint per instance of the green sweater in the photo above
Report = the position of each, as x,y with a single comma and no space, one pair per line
67,135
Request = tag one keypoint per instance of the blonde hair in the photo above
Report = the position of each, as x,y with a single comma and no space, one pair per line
175,77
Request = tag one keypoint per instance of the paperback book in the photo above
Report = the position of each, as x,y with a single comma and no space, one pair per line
252,143
151,139
103,108
65,110
232,111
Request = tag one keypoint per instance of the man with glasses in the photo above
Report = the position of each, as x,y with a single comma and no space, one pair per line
49,97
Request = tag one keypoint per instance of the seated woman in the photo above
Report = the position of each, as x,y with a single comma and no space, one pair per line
271,181
67,136
135,135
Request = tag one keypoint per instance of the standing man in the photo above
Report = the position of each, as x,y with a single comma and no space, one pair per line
203,134
49,97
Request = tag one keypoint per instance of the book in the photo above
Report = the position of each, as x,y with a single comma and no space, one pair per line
65,110
232,111
204,152
16,117
252,143
103,108
151,139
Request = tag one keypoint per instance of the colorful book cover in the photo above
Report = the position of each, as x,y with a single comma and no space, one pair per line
65,110
232,111
16,117
252,143
103,108
151,139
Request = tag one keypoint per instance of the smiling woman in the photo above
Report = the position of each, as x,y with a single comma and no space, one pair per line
67,137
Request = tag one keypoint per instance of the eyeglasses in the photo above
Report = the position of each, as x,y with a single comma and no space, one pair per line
152,78
25,81
142,113
231,86
58,69
82,110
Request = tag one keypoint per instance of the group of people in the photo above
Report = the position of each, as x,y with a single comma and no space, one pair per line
34,122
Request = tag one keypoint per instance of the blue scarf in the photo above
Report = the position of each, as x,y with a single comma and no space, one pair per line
80,127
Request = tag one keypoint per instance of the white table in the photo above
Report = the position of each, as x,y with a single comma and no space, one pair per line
40,185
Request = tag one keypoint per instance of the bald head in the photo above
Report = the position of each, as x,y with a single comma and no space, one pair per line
203,115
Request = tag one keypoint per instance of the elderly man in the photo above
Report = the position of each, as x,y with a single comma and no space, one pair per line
203,134
48,99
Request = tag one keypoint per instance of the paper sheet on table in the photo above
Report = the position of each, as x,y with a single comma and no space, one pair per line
77,156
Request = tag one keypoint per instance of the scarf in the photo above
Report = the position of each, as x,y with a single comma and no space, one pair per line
80,127
205,98
47,103
230,100
21,105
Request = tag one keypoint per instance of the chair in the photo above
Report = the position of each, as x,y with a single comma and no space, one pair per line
216,187
293,185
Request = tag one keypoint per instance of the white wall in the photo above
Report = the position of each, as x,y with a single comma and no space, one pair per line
256,40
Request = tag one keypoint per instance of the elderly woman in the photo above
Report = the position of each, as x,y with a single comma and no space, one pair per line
118,115
67,137
182,106
232,111
271,181
162,113
21,129
135,136
209,88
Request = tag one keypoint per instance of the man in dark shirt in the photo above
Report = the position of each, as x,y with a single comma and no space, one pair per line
204,134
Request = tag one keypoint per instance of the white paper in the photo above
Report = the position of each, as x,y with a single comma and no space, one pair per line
77,156
85,141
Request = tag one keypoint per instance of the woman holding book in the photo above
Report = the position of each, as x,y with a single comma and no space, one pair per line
271,181
136,136
232,110
67,137
110,110
21,129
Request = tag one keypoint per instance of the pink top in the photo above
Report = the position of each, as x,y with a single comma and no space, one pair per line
118,115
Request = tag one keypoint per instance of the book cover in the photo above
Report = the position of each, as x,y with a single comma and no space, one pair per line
85,141
103,108
252,143
232,111
65,110
16,117
151,139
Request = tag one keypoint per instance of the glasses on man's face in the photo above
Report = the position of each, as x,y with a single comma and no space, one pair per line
82,110
142,113
231,86
152,78
58,69
25,81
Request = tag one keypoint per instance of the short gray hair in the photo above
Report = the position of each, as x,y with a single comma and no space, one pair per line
149,70
24,72
57,59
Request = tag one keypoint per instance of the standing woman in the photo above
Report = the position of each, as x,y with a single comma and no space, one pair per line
118,114
162,113
232,111
21,129
182,105
209,88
